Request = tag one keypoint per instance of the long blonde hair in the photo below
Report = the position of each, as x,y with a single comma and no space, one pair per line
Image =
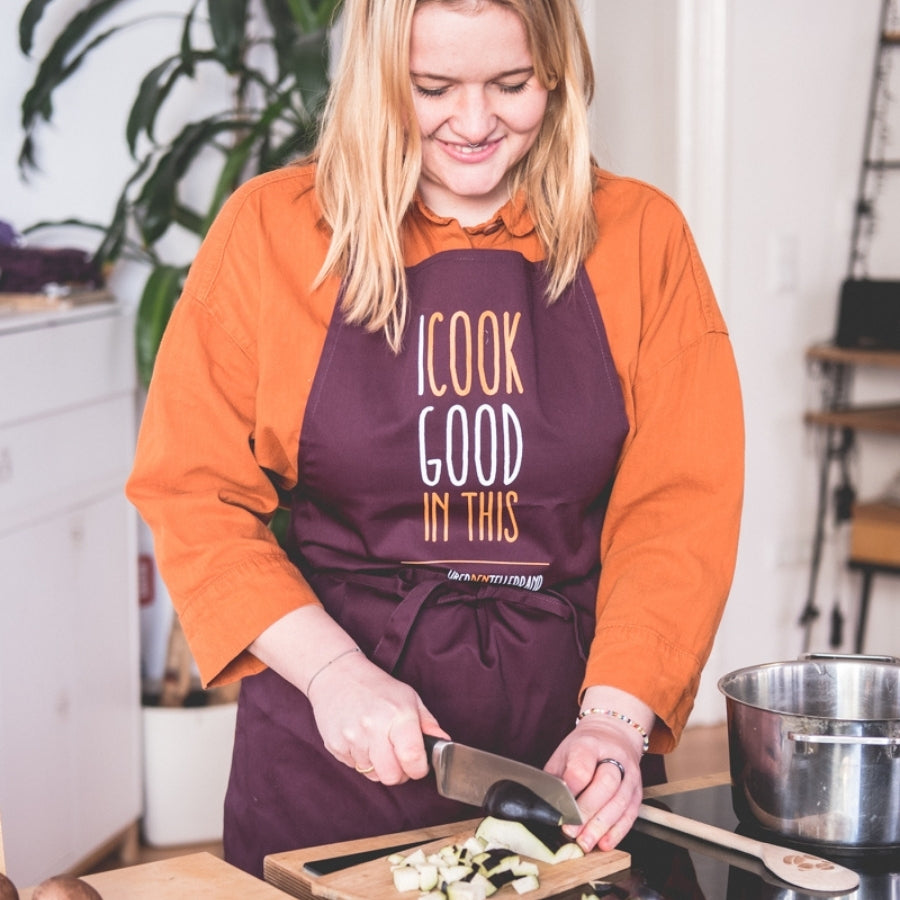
369,159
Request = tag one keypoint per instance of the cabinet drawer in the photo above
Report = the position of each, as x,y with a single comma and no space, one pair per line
54,461
64,363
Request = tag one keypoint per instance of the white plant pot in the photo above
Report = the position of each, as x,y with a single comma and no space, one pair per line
187,759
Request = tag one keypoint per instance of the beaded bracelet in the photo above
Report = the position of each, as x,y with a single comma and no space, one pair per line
593,711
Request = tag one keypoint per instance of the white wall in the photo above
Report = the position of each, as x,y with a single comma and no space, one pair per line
782,181
752,116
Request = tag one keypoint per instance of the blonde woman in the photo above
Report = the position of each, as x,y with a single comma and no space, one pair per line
493,387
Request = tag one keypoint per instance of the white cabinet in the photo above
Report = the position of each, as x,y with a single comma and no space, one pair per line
70,767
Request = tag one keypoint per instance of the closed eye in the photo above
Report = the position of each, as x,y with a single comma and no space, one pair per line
429,92
513,88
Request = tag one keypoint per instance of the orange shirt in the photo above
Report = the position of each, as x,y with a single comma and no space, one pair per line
221,429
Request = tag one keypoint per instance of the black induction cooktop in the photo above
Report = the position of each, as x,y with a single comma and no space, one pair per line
667,865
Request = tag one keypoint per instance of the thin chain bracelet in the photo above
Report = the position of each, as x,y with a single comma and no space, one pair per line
594,711
319,671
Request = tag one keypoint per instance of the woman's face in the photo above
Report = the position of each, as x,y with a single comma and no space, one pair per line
478,104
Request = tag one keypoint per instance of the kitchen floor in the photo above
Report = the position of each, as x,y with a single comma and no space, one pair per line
703,751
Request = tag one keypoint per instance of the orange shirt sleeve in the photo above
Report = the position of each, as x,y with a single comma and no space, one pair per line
670,536
220,429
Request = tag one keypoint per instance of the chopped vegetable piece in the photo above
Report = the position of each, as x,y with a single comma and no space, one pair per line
428,877
406,878
474,845
416,858
465,890
455,873
570,850
500,877
485,883
526,884
526,868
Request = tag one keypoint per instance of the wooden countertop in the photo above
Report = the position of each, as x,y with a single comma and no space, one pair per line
196,876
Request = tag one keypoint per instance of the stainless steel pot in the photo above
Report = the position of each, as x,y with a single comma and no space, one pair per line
814,749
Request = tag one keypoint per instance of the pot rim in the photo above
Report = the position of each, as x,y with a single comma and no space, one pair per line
889,662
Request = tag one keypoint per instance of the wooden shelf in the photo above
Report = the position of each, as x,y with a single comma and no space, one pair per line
884,419
829,353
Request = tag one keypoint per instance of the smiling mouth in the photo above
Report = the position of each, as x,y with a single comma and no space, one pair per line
470,149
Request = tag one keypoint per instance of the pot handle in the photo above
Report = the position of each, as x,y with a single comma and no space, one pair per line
872,740
863,657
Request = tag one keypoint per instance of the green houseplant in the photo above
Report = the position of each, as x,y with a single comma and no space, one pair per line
274,56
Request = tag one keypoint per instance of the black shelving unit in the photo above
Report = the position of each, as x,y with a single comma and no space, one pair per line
835,365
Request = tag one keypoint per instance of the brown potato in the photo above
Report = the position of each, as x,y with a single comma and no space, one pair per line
7,889
65,887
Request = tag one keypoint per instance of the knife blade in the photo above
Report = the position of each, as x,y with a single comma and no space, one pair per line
467,774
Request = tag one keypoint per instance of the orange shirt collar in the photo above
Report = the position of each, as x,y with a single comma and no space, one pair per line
513,215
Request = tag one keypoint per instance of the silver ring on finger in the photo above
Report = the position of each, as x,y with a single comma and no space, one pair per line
613,762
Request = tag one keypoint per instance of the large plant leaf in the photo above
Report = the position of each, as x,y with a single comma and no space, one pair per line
303,13
57,67
155,87
37,102
156,204
56,63
309,64
283,28
52,72
31,15
115,234
158,299
116,237
189,219
187,47
228,21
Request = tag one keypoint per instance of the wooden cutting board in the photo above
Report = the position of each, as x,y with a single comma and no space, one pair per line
373,880
197,876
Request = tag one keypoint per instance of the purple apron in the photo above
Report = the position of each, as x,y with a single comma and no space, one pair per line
448,516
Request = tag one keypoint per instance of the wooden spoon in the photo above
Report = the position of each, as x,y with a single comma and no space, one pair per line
793,866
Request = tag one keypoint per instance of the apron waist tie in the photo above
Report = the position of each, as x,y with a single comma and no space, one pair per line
398,627
413,596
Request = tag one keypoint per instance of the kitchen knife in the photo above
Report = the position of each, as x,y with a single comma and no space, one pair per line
467,774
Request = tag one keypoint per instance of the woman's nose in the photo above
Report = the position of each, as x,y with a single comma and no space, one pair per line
473,119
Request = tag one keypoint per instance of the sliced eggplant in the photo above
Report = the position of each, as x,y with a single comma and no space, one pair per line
487,861
548,845
511,800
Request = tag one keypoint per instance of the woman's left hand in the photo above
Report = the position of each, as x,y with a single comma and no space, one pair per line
600,760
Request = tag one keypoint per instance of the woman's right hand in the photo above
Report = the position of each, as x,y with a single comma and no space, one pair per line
370,721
